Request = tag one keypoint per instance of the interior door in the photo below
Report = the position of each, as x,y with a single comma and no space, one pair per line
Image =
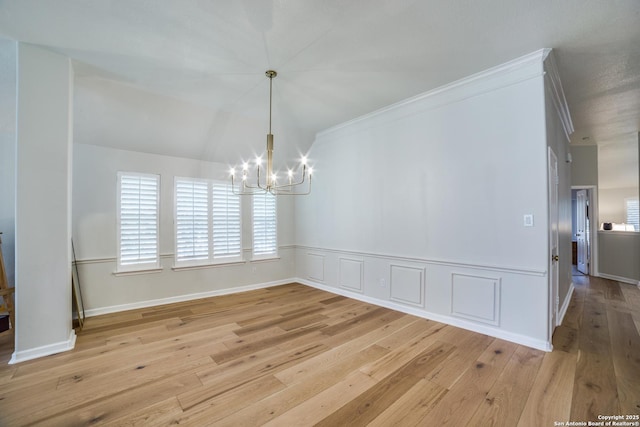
553,240
581,231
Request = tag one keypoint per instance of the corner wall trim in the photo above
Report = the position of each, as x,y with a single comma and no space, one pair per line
45,350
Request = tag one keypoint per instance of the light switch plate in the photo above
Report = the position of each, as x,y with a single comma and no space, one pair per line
528,220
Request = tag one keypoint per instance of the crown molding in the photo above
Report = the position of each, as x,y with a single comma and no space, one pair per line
554,86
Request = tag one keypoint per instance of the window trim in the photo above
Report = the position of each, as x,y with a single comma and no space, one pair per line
139,267
211,260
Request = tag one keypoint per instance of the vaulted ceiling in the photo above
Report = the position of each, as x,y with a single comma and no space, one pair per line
186,77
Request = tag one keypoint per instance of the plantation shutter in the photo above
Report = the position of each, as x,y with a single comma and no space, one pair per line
192,220
264,225
633,213
227,237
138,220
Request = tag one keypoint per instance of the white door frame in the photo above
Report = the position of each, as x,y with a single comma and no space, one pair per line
592,195
553,253
582,230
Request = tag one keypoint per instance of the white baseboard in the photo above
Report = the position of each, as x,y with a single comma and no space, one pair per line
45,350
565,305
181,298
486,330
619,279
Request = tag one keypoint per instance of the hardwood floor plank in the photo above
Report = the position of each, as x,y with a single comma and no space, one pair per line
371,403
115,406
415,339
411,408
551,395
625,345
565,339
252,347
461,402
220,406
595,390
326,375
339,351
371,313
470,347
210,390
504,403
313,410
161,413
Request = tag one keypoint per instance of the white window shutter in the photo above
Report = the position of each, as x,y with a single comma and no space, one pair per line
264,225
633,212
226,222
138,221
192,220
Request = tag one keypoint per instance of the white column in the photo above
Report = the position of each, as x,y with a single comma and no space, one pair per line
43,204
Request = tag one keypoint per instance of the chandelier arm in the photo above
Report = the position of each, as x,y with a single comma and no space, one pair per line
284,193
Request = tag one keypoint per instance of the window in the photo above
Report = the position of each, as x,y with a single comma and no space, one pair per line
207,222
265,244
633,213
138,220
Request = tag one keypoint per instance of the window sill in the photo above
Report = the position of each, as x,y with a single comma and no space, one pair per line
266,258
137,272
208,265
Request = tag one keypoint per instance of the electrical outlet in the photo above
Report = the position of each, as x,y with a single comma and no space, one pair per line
383,282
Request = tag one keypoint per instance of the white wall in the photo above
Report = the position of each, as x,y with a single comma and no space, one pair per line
559,129
584,165
420,206
8,89
611,203
94,234
619,255
43,204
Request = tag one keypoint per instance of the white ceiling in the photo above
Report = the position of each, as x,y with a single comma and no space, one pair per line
186,77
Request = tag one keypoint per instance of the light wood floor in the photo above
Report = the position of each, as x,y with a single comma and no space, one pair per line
296,356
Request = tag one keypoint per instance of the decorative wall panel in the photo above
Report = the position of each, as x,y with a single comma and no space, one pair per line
476,298
407,284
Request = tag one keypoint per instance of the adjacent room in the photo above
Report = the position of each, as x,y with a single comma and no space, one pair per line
262,212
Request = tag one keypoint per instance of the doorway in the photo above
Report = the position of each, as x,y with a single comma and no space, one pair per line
583,220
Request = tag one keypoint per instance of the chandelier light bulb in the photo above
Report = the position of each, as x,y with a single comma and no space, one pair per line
232,171
258,161
304,160
245,166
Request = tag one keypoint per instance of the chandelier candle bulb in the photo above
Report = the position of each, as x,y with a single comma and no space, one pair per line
269,183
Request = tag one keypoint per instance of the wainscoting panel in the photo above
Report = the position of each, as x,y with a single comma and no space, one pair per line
503,301
351,274
476,298
315,265
407,284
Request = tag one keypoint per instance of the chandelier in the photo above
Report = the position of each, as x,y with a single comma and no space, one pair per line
266,180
